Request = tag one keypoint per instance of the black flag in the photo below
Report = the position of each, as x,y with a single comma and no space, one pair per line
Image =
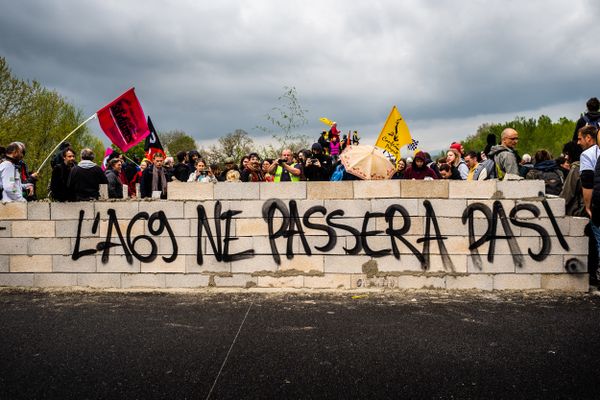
152,144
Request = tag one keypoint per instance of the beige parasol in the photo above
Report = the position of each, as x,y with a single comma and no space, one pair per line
367,162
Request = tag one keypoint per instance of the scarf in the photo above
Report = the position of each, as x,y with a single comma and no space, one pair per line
158,174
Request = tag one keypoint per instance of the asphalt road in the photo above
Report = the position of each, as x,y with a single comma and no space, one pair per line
401,345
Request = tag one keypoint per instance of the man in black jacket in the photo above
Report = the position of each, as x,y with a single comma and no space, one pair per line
86,177
154,179
320,166
60,176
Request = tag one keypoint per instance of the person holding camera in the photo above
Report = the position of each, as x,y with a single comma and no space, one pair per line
284,169
202,173
253,171
319,166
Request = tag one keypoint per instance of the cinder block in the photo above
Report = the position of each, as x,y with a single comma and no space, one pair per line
420,282
236,191
345,264
180,228
125,192
209,264
578,246
568,282
130,281
329,190
68,228
445,208
576,226
503,264
159,265
4,263
282,190
329,281
123,209
410,205
186,280
31,229
185,245
256,264
190,191
376,189
38,211
13,211
190,208
417,227
52,246
137,229
67,264
480,282
60,211
99,280
54,280
507,205
552,264
237,280
471,189
254,227
24,280
577,264
557,205
519,189
410,263
351,208
31,264
281,282
172,209
5,229
117,264
421,189
103,192
302,263
517,282
14,246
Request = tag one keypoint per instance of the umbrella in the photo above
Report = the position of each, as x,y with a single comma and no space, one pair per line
367,162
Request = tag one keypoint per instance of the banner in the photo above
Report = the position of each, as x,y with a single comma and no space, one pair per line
152,144
394,134
123,121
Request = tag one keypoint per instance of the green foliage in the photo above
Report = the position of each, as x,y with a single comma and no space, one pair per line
235,144
533,134
40,118
176,141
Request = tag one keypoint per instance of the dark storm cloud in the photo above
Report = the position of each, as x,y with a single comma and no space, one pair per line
211,68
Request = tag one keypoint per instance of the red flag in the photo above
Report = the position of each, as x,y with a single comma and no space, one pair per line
107,154
123,121
152,144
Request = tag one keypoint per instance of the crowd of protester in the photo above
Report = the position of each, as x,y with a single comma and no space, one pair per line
574,175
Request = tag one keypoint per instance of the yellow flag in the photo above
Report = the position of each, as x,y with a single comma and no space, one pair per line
394,134
326,121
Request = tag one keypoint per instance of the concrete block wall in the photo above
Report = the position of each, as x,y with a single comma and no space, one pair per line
346,235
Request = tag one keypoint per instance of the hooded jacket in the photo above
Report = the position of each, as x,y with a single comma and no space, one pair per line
413,172
85,180
10,181
505,158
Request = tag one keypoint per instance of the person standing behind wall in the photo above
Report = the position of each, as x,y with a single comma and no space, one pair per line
505,155
154,179
591,117
60,177
284,170
115,185
86,177
10,174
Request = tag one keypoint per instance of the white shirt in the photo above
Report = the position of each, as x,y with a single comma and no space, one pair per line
589,158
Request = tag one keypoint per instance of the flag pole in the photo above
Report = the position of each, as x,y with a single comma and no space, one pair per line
66,137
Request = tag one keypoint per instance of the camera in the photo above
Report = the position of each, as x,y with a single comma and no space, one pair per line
282,161
314,160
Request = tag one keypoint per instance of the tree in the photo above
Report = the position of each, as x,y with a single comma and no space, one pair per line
176,141
40,118
287,117
235,144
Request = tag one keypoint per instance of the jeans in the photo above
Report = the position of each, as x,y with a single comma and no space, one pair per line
596,232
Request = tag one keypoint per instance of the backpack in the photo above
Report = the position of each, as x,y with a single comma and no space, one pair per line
338,174
490,167
553,180
588,121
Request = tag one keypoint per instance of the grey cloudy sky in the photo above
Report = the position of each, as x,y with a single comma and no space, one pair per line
211,67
